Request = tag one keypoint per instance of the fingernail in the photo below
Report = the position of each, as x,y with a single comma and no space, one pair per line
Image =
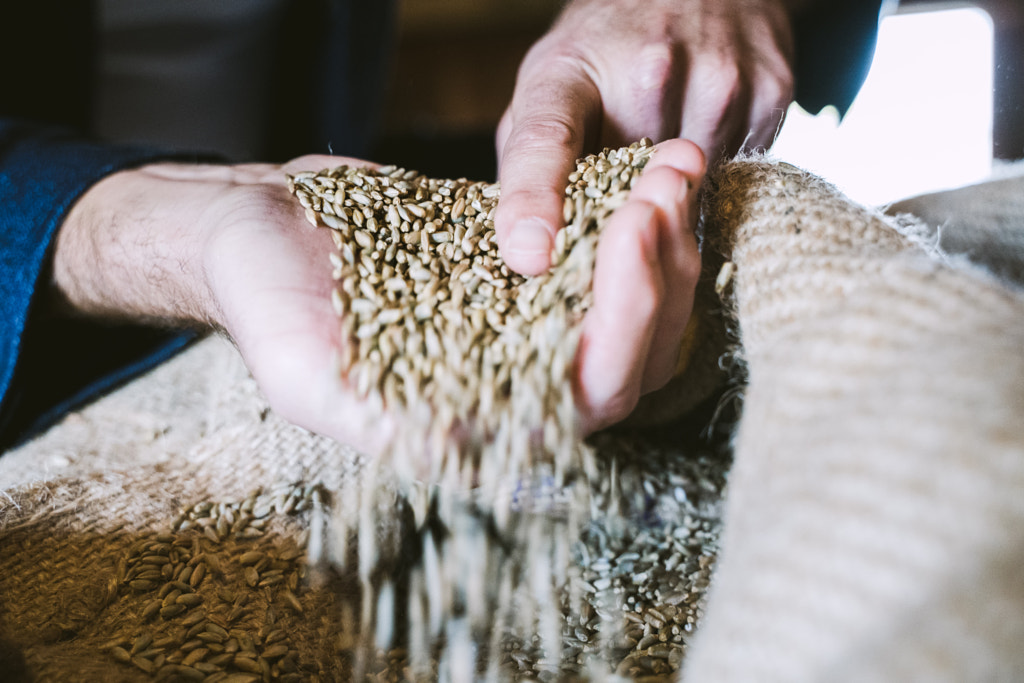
531,237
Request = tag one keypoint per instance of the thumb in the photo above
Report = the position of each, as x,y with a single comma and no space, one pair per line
545,137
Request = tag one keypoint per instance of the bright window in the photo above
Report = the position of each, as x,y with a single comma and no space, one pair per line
923,120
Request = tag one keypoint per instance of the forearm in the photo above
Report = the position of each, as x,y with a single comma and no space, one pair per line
44,171
132,246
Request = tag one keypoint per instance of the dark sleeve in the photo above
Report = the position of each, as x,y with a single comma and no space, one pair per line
49,365
835,42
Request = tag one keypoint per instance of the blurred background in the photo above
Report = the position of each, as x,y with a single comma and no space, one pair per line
452,77
943,105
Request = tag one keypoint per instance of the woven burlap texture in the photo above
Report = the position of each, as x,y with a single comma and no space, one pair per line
873,514
981,223
874,528
74,500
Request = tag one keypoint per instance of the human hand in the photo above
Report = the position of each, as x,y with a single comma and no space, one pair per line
716,72
229,247
644,281
646,271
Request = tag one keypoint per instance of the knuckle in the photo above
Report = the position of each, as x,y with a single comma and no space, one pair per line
721,79
543,133
652,69
548,48
668,177
733,83
646,301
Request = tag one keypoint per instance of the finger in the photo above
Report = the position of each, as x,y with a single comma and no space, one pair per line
645,100
683,155
764,127
773,94
549,118
715,113
770,42
671,182
501,134
618,328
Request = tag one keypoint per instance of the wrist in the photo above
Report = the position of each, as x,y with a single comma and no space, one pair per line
132,246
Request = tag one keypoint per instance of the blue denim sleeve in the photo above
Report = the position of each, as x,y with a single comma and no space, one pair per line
49,365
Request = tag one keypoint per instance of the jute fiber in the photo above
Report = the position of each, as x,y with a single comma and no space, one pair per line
872,516
875,518
979,223
77,501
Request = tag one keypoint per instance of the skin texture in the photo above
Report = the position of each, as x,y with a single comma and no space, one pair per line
228,247
224,247
644,281
717,72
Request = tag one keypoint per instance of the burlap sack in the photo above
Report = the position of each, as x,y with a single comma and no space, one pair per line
78,498
873,514
980,223
875,519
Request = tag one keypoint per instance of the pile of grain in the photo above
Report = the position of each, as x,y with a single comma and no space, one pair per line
438,329
476,361
216,594
134,547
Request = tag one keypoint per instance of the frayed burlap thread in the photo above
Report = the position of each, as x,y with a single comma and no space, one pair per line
876,505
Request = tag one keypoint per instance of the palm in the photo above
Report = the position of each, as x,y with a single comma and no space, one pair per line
271,277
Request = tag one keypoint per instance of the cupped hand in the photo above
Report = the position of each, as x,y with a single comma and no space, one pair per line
225,246
266,268
269,273
644,281
228,246
716,72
